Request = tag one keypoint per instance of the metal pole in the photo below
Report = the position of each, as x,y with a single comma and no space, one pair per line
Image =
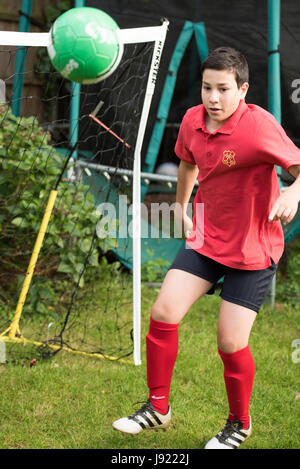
274,84
20,61
75,102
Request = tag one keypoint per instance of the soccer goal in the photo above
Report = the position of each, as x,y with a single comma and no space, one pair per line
70,168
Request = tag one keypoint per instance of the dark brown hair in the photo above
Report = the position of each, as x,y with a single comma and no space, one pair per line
227,58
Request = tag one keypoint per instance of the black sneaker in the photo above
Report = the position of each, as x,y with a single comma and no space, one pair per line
146,418
232,435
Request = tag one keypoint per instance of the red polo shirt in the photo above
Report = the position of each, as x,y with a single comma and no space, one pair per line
238,184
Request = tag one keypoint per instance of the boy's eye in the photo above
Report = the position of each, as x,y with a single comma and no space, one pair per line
207,88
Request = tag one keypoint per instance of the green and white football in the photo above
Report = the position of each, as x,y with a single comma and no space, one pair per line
84,45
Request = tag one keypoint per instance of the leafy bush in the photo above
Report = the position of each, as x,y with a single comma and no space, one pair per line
154,271
288,276
29,170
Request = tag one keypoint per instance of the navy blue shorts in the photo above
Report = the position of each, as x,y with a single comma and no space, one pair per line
243,287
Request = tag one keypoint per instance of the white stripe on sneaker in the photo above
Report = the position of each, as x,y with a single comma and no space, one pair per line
144,418
230,437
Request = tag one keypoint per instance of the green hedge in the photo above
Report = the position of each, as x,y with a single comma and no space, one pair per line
29,169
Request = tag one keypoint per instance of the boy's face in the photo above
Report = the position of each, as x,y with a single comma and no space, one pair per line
221,95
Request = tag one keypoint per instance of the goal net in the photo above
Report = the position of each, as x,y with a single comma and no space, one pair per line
70,160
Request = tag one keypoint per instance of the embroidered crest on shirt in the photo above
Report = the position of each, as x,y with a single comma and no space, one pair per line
228,158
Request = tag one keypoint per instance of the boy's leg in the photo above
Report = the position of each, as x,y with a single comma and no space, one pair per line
179,291
190,276
242,295
234,327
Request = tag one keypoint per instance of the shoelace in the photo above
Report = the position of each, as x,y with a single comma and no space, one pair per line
146,407
229,429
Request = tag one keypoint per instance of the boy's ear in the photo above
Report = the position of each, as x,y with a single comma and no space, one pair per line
244,88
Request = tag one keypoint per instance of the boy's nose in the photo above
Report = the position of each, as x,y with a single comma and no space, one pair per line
214,98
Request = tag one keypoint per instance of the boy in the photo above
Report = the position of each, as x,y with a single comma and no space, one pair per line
232,148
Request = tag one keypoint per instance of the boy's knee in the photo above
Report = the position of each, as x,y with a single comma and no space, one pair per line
161,312
230,345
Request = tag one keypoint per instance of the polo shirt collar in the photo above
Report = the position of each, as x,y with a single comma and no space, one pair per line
226,128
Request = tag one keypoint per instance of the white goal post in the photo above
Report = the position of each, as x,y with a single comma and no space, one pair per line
156,34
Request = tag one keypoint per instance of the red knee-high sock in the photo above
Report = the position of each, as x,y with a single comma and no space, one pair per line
239,370
162,349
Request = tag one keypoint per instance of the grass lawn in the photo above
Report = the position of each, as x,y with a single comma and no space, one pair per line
70,401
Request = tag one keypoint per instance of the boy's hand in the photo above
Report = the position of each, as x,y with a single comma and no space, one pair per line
285,207
187,226
184,222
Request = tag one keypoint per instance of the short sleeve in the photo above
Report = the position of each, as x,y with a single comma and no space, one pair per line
274,146
181,146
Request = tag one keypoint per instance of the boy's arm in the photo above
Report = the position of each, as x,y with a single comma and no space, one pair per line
187,174
286,206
